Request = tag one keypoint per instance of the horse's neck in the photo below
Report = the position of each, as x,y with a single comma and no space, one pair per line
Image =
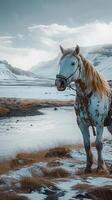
81,86
90,80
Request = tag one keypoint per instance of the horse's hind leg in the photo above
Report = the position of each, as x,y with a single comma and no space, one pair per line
110,128
99,146
86,137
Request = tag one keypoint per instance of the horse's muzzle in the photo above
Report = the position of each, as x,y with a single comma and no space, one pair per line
60,83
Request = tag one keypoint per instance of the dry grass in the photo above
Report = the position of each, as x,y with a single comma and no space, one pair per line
25,158
4,111
95,193
29,184
4,167
58,152
23,107
21,160
10,196
54,163
55,173
28,158
7,102
82,187
101,193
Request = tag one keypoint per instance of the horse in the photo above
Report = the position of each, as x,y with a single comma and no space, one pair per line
93,100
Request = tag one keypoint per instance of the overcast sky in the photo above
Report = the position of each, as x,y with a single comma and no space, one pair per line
32,30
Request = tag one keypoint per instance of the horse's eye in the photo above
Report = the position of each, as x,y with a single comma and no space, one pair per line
73,63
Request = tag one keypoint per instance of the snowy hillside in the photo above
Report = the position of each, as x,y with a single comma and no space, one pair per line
100,56
46,69
7,72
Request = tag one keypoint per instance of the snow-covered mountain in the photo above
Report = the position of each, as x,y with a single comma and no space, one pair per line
100,56
46,69
7,72
45,73
14,76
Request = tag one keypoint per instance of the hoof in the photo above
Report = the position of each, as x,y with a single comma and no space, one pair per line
87,170
102,170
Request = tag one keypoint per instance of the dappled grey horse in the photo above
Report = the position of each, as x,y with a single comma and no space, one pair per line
93,99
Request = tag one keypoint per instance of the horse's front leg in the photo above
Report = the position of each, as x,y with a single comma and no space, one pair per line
86,137
99,146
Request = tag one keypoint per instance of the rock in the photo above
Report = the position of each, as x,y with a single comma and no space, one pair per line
21,162
55,108
55,195
82,196
35,171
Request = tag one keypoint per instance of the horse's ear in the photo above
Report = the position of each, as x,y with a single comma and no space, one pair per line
62,49
77,50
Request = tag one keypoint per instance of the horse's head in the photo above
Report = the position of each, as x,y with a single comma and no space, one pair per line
69,68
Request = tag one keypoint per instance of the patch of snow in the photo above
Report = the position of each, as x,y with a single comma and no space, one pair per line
66,187
35,92
40,132
35,196
48,130
9,73
100,181
6,74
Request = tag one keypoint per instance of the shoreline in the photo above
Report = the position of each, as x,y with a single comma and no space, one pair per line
10,107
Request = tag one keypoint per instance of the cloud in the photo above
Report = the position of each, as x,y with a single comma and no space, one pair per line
41,42
89,34
23,57
6,40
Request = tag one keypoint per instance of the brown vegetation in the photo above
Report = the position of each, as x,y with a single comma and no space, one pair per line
29,184
23,107
4,167
28,158
101,193
55,173
59,152
4,111
95,193
47,176
11,196
82,187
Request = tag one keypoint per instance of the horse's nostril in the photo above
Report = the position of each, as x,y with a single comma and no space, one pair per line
60,84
